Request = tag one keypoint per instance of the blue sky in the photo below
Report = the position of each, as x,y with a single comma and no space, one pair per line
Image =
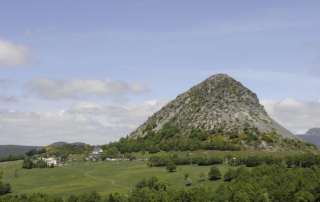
94,71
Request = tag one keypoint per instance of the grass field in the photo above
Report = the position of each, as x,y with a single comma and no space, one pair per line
108,177
104,177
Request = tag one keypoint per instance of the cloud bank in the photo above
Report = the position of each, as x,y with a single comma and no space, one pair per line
296,115
87,122
53,89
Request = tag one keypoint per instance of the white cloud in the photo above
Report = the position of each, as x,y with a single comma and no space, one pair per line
14,54
295,115
42,128
72,89
132,115
87,122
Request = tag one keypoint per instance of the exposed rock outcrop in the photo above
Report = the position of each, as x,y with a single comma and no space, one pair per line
218,102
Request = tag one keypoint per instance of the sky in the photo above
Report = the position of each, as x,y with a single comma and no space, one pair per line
93,71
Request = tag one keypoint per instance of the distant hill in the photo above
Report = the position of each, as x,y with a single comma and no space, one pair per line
69,148
312,136
56,148
6,150
313,131
58,143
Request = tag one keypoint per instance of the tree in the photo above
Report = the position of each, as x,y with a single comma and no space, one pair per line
151,181
304,196
116,197
221,193
241,197
143,183
27,163
64,157
154,149
4,188
41,164
171,166
188,181
31,152
160,185
229,175
201,177
214,173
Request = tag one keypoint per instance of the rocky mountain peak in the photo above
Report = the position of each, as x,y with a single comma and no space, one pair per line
219,102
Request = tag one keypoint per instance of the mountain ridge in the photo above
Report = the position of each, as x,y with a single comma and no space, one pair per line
312,136
6,150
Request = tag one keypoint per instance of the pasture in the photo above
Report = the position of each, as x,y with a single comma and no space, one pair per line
109,177
104,177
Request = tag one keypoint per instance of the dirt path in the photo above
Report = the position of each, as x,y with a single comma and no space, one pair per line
113,182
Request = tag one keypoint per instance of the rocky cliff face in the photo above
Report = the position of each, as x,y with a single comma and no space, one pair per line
218,102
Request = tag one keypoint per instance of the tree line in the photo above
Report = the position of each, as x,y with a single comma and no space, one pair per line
29,164
298,160
13,157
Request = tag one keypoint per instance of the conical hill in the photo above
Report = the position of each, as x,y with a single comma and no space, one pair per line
217,114
219,102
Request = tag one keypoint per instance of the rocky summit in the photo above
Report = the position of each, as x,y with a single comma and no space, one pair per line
219,102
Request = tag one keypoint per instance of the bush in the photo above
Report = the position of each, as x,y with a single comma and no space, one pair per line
214,173
188,182
171,166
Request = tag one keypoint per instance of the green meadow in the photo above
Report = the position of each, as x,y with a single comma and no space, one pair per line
104,177
109,177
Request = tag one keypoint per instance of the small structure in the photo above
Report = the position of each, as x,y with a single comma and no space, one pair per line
97,151
50,161
95,155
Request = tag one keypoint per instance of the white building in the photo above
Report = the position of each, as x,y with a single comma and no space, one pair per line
50,161
97,151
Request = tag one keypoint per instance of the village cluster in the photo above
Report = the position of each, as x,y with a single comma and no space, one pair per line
94,156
